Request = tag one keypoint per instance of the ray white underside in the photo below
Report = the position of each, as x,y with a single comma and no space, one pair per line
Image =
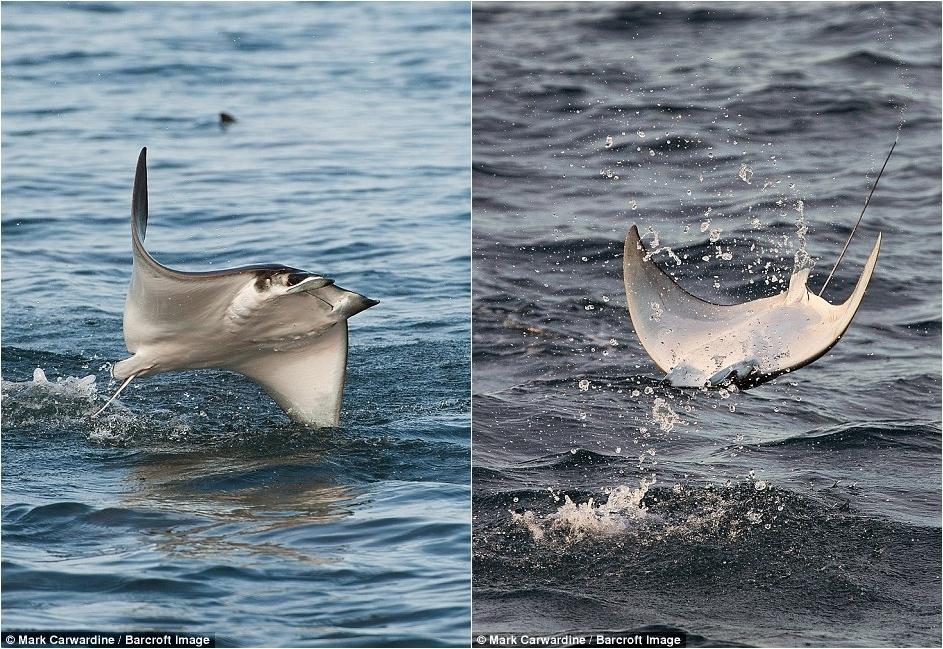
697,343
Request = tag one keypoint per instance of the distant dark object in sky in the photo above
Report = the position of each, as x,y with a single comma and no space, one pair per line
226,118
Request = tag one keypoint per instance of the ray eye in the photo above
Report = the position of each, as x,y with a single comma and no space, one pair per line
263,283
294,278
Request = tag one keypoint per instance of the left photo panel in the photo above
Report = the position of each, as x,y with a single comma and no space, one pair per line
235,324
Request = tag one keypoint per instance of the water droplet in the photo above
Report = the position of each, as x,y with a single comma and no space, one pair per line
746,173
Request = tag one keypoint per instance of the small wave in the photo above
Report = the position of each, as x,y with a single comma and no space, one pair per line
97,7
652,15
770,100
929,327
173,69
501,170
864,435
71,56
58,521
44,112
577,458
868,60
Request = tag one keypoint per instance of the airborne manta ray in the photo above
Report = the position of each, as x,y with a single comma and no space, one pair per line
284,328
701,344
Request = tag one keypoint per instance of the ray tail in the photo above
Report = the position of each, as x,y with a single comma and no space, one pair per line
114,396
858,222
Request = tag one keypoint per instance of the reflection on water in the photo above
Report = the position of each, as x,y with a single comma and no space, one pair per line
241,498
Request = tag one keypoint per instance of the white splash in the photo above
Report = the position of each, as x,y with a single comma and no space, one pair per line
664,416
671,253
623,509
746,173
802,259
38,392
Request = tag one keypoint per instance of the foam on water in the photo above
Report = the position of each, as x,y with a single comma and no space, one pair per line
664,416
68,402
573,522
42,396
683,512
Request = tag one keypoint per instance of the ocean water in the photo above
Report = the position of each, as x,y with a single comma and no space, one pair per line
804,511
193,503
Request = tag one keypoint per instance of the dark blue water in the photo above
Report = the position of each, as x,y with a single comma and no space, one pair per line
805,511
195,504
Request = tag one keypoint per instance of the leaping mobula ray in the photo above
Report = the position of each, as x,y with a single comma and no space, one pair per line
702,344
284,328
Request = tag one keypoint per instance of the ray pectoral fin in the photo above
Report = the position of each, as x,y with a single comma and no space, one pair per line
854,300
307,383
139,198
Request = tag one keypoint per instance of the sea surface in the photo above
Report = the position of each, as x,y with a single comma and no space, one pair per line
194,504
805,511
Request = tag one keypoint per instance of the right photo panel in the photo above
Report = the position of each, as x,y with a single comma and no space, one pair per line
706,324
